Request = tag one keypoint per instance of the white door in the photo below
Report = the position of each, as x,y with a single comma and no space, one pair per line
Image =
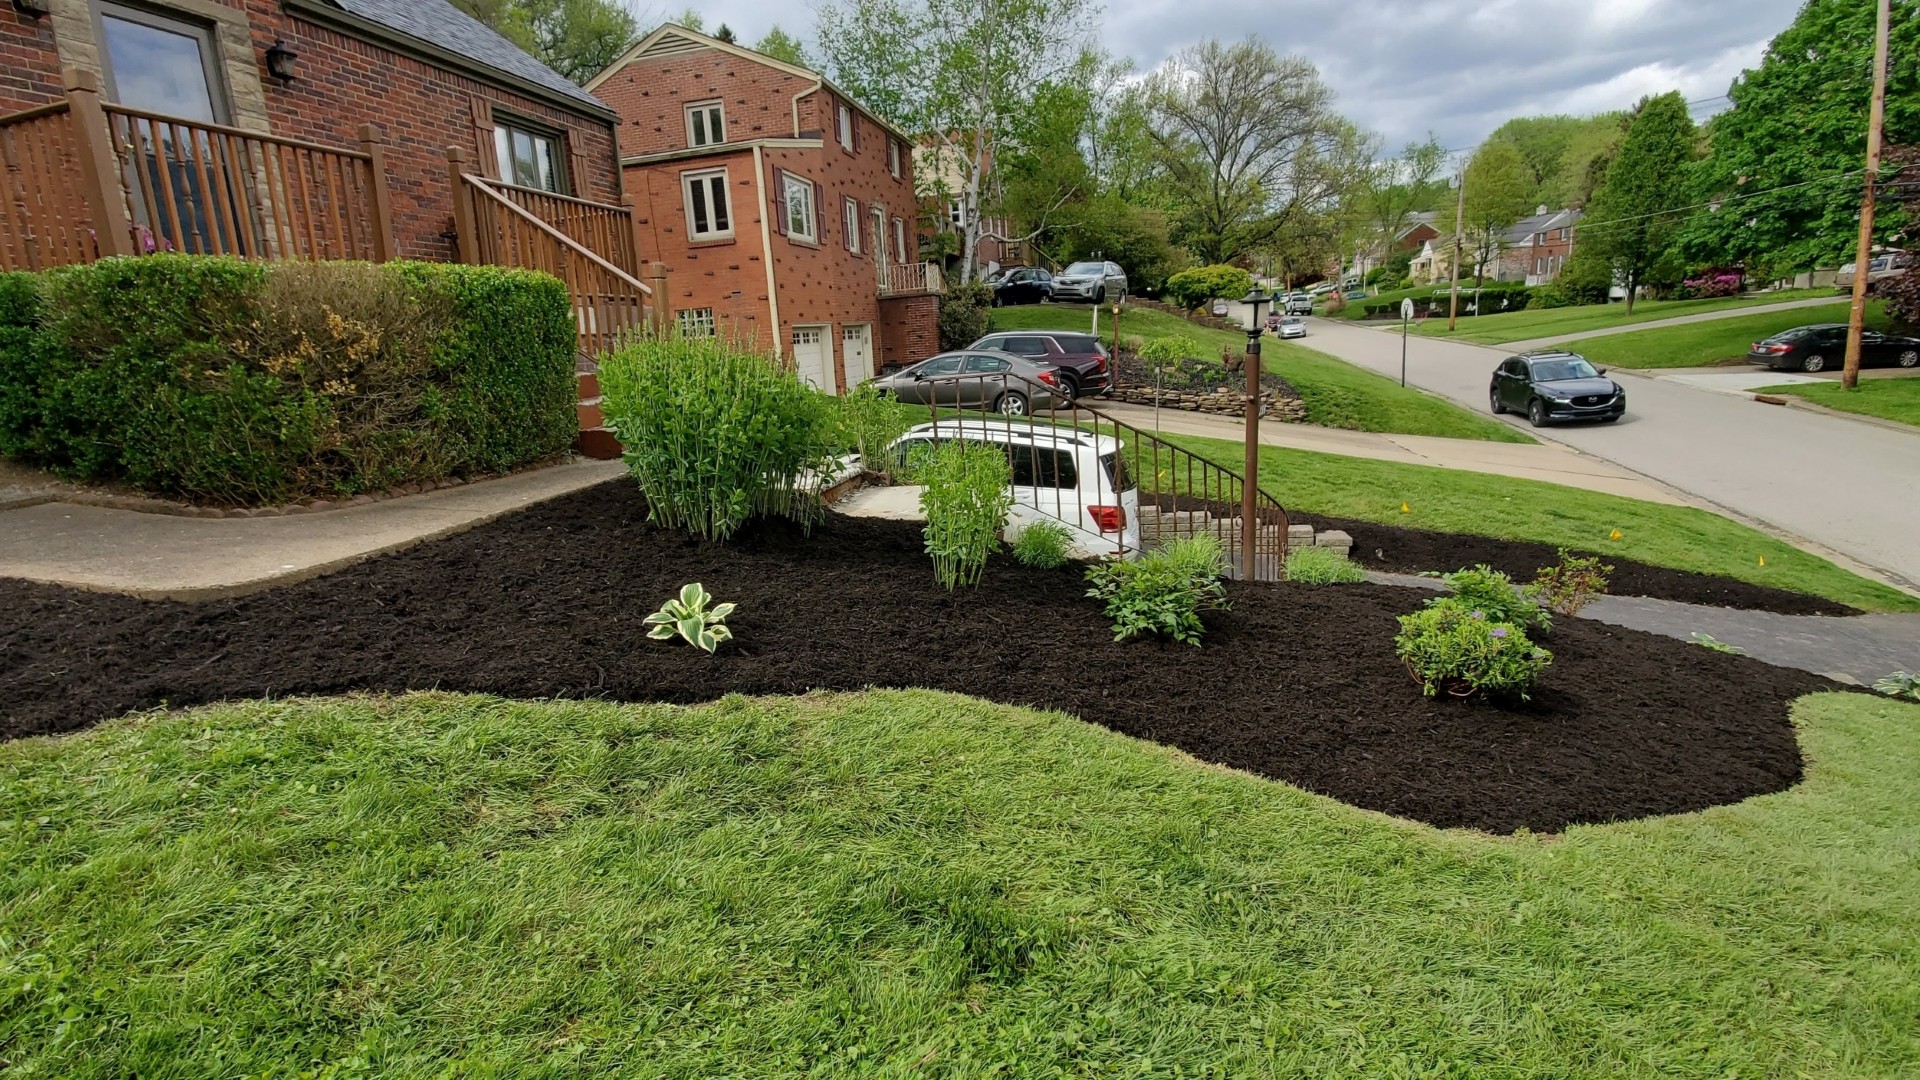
857,344
813,357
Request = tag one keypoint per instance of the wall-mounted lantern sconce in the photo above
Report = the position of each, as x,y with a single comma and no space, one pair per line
32,9
280,61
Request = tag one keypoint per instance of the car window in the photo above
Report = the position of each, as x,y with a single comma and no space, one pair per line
1042,275
1025,346
978,363
1572,367
1117,473
908,453
1035,466
1513,367
1084,268
941,365
1075,343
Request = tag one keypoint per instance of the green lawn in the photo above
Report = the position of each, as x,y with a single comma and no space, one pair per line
1337,394
1888,399
908,884
1451,500
1552,322
1701,344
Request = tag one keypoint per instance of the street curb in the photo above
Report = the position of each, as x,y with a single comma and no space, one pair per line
1794,402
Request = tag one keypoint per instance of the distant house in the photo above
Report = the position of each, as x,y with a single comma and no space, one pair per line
1412,236
783,208
1535,248
943,206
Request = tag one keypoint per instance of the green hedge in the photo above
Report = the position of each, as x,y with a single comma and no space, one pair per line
243,383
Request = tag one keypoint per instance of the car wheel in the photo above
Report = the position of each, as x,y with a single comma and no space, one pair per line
1100,295
1493,402
1537,413
1909,358
1069,385
996,300
1011,403
1815,362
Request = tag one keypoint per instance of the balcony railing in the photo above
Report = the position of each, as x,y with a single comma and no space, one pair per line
900,279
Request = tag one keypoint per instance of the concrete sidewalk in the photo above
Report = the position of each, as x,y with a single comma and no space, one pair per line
160,556
1549,462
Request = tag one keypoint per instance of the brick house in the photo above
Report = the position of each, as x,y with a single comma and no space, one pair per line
1535,248
429,76
783,209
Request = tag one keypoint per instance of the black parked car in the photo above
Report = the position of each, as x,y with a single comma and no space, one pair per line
1549,386
1824,346
1021,285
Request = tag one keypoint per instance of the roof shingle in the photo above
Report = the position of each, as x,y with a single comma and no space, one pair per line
439,23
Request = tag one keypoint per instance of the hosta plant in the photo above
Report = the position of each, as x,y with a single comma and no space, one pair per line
688,616
1900,684
1164,591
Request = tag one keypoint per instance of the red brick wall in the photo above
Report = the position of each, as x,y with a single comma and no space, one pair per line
909,329
651,97
729,276
29,62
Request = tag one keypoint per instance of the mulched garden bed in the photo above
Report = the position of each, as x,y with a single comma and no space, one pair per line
1414,551
1297,682
1199,374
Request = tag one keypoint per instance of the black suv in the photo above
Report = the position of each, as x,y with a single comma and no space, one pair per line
1021,285
1549,386
1081,358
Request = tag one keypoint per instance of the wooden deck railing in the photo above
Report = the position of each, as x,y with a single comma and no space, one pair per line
44,220
604,229
494,228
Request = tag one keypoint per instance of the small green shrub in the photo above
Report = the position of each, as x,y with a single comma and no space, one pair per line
1044,544
1164,591
715,435
688,616
1483,588
1900,684
1454,648
966,501
865,423
1570,584
966,312
1191,288
1322,566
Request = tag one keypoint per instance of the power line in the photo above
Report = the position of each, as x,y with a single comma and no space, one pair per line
1849,174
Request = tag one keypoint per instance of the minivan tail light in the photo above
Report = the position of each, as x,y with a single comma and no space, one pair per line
1108,519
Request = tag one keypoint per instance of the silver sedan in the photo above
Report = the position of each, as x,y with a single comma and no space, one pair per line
983,378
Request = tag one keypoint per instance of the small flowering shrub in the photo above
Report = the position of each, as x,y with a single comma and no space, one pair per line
1485,589
1569,585
1451,647
1708,286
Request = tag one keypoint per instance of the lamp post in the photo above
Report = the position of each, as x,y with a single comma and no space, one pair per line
1249,483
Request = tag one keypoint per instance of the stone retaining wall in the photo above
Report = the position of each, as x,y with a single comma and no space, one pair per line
1226,401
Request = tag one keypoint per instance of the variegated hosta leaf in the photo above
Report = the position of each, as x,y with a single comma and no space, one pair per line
694,596
657,618
720,611
662,632
691,627
720,632
707,641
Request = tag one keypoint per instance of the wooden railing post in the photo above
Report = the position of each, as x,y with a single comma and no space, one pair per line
634,236
466,230
373,143
100,182
662,311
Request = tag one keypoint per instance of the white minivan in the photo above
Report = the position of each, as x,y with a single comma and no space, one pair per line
1060,474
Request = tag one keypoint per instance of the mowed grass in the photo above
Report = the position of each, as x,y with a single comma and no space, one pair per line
1714,342
1888,399
907,884
1552,322
1451,500
1337,394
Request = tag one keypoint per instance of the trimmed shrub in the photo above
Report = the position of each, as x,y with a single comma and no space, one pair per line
1191,288
1044,545
715,435
236,382
966,313
966,501
1483,588
1322,566
1164,591
1455,648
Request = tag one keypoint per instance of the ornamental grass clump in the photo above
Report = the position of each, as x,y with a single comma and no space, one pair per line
1322,566
1452,647
1164,591
966,499
715,435
865,423
1045,545
1485,589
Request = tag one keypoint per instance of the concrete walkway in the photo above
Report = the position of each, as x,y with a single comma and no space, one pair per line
1677,320
1550,462
161,556
1857,649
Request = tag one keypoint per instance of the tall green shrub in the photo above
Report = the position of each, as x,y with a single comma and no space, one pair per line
966,311
966,500
715,435
1191,288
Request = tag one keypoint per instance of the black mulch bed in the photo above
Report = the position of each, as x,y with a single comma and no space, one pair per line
1413,551
1297,682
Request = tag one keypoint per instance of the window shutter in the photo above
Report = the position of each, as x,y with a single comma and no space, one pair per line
780,201
853,119
487,159
819,213
579,167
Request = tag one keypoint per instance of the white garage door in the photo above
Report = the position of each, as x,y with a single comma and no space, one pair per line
813,357
858,349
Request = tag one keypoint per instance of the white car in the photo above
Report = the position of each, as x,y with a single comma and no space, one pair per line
1060,474
1291,326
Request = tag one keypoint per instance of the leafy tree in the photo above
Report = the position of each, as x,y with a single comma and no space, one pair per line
1589,151
1391,191
1249,139
724,33
577,38
1498,190
963,71
1786,157
1303,249
1543,143
1191,288
784,46
691,18
1638,209
1902,293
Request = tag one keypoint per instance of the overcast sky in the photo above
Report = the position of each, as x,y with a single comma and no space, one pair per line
1457,68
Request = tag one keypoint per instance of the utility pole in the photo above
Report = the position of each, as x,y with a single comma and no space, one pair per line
1863,253
1459,230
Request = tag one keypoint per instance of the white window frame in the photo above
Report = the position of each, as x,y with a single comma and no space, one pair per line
694,322
706,177
955,211
712,112
789,184
846,126
893,156
850,221
899,240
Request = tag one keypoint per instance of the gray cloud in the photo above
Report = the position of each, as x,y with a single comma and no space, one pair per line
1457,68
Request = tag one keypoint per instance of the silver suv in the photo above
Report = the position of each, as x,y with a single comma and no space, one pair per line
1095,281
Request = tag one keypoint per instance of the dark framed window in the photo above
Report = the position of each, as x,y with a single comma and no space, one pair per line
160,63
530,156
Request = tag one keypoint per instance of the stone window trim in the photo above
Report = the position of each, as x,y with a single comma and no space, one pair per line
76,35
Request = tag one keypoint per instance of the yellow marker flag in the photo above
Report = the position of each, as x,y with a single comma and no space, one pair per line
1405,509
1615,535
1763,560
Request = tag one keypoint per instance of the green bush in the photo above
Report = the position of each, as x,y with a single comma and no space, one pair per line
1485,589
236,382
1164,591
714,434
1191,288
1044,544
1570,584
966,312
1322,566
865,423
966,500
1460,650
